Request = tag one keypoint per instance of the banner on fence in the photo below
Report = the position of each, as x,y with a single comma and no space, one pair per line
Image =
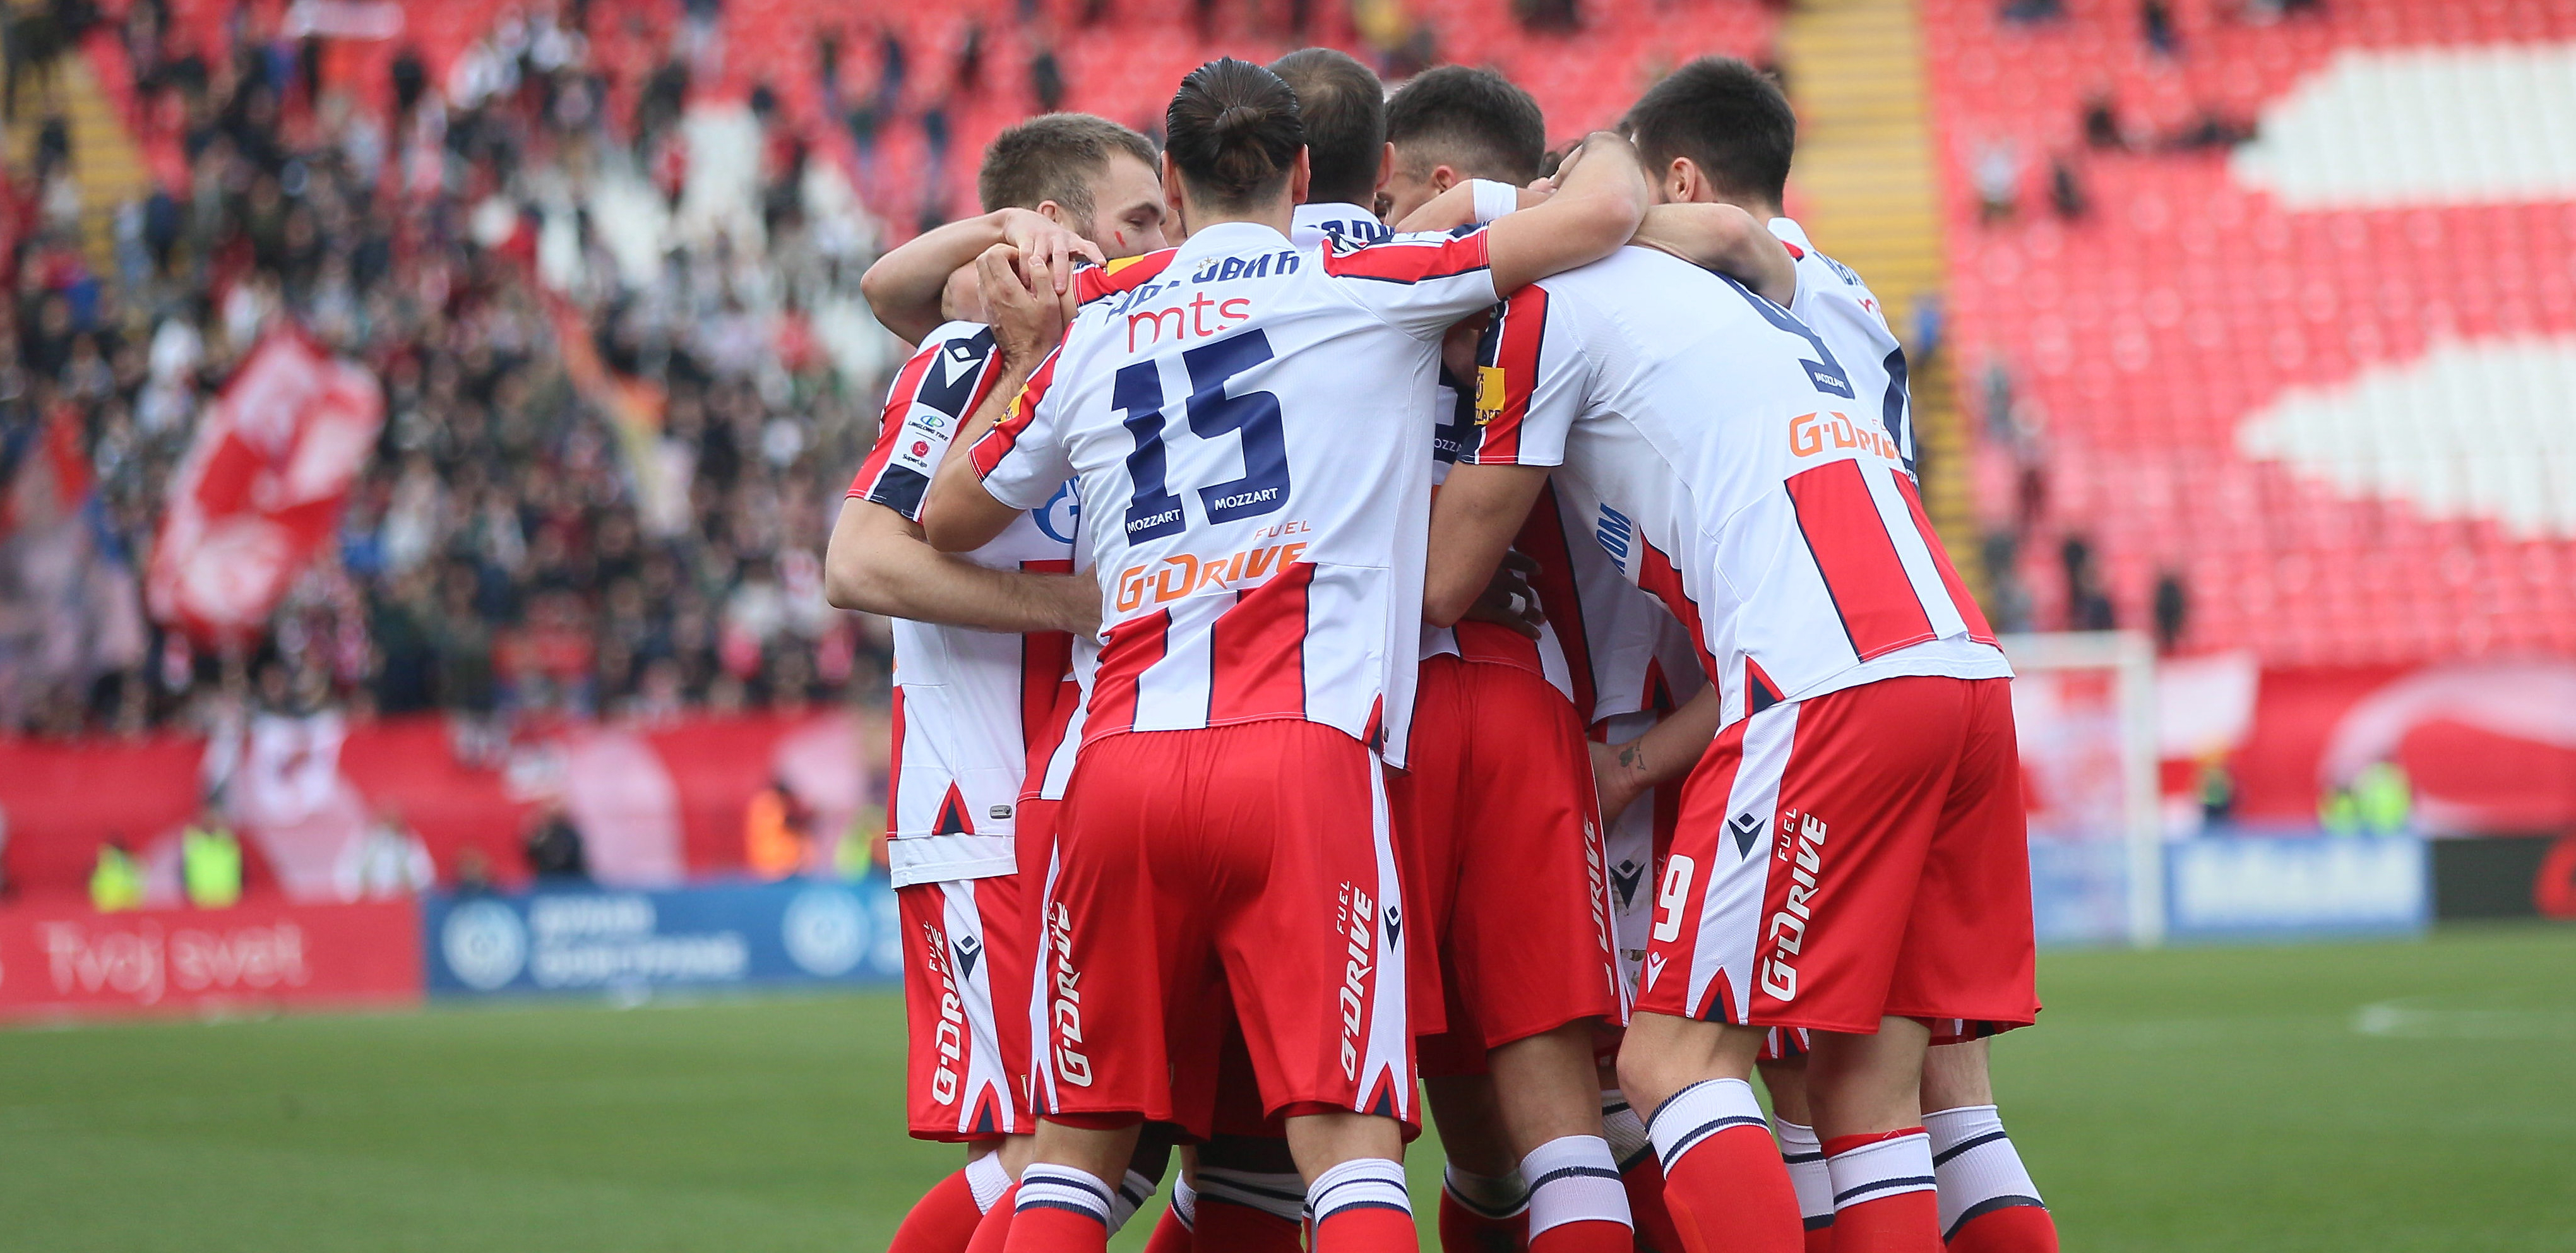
2296,885
70,961
719,936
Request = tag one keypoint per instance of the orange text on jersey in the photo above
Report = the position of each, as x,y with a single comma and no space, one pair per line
1173,578
1813,434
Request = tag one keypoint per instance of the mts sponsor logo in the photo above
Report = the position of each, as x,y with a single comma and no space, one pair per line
1355,920
950,1041
1180,576
146,963
1815,434
1802,847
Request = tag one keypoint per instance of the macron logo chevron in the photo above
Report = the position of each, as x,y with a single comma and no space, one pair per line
1654,968
1747,829
969,950
1626,876
954,363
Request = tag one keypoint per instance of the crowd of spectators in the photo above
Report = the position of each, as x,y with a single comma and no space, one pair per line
505,554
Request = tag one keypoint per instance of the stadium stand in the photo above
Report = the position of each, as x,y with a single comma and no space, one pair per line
2292,326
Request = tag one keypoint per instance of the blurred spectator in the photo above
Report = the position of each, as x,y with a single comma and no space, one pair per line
2156,22
2027,11
1547,15
2211,127
2173,610
554,848
2216,787
1046,79
1998,178
473,872
776,827
116,881
210,860
2066,190
387,860
2088,608
2101,122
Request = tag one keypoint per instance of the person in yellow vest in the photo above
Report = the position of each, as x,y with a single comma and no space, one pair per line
210,861
116,882
773,832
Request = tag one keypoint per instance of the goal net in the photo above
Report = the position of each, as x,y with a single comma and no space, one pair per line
2084,704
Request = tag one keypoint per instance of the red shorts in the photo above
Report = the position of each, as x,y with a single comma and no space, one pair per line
1501,830
967,955
1241,869
1848,857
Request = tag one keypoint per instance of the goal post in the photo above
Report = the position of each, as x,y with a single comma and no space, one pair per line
2084,705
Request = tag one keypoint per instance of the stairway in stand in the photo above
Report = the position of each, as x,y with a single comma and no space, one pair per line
1866,189
105,161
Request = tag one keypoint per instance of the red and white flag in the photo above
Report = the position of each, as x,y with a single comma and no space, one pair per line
262,485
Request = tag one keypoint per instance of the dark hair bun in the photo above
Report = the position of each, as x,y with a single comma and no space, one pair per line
1234,132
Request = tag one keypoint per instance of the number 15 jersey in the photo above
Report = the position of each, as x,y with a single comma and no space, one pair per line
1245,421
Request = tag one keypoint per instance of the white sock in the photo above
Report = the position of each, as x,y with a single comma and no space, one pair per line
1879,1169
1573,1179
1133,1191
1624,1129
1808,1177
1979,1169
1185,1203
1488,1196
1045,1185
1360,1183
1699,1111
988,1180
1280,1195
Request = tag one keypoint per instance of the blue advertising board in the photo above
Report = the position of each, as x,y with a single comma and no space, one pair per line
746,935
2293,886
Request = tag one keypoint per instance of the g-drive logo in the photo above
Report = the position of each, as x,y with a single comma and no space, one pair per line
1356,919
1802,846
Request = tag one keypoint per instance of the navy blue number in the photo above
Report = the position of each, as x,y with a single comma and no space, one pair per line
1153,511
1893,416
1826,373
1252,416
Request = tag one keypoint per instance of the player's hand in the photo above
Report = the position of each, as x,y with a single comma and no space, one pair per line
1618,776
1508,600
1028,319
1046,250
1077,602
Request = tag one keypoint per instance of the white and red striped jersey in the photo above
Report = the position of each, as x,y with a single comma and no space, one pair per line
1238,415
967,703
1714,444
1845,313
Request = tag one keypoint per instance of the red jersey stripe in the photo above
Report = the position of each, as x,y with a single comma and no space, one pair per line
1257,651
1657,574
1853,551
1005,435
907,383
1133,647
1507,374
1123,275
1409,261
1969,611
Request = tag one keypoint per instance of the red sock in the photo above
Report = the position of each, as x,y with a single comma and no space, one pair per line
2012,1229
1645,1184
1171,1235
1045,1229
1464,1230
1729,1193
1820,1239
942,1221
1909,1222
1235,1228
1367,1229
995,1230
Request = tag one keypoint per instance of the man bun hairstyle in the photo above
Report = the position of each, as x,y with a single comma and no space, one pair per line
1471,119
1343,106
1233,131
1054,156
1729,118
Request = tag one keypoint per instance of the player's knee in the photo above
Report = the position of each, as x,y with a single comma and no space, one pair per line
1663,1055
1956,1075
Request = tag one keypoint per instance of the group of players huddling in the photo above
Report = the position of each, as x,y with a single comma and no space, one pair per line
1366,611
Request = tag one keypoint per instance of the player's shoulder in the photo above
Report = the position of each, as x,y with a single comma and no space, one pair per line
1121,276
1407,256
1813,259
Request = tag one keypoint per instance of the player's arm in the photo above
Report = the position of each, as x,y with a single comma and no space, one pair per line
880,562
1597,206
1724,238
1004,434
1473,519
903,286
1471,203
1623,772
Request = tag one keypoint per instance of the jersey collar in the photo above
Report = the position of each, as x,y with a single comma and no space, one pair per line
1788,230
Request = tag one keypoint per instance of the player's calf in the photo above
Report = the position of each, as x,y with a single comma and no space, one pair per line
1723,1179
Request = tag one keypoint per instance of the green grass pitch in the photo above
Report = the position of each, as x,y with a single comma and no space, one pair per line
2384,1096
